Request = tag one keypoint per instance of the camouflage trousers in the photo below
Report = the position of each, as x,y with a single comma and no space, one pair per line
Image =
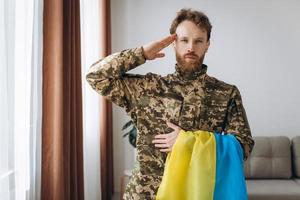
142,187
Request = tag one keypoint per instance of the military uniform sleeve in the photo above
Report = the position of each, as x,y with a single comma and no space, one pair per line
109,78
237,122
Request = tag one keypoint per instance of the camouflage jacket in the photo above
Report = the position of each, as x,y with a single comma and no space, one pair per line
194,101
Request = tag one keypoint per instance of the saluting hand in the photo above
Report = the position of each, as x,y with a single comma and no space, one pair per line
166,141
152,50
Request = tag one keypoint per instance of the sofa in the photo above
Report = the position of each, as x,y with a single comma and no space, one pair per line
272,170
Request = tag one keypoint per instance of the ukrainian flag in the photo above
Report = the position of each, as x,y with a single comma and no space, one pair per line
204,166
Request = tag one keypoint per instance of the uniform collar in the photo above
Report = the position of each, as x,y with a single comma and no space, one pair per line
190,75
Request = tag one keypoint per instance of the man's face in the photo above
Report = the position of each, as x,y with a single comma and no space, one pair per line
190,46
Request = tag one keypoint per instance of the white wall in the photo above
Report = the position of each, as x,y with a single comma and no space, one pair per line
255,45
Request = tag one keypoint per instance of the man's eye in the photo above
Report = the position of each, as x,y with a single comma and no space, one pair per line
199,41
183,40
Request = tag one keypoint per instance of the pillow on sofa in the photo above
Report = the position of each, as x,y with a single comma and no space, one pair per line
296,155
270,158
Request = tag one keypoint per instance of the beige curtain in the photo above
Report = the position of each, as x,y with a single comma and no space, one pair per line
62,156
106,131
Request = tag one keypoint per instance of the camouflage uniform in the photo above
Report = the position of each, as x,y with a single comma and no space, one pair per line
194,101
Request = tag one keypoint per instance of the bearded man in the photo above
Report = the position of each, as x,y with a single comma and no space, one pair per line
160,106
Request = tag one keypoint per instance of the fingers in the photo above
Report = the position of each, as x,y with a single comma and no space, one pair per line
173,126
165,137
162,136
161,141
166,41
166,150
166,146
160,55
152,50
165,141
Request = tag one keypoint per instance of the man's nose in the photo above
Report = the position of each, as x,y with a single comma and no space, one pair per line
191,47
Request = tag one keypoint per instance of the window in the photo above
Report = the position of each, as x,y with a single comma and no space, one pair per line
20,105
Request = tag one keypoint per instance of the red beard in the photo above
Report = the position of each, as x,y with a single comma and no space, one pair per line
189,66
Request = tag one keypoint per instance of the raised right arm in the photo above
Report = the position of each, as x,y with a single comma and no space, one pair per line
108,76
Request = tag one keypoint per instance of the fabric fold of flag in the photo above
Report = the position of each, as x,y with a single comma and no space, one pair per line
204,166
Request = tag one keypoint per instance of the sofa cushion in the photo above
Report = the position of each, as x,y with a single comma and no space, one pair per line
297,180
265,189
270,158
296,155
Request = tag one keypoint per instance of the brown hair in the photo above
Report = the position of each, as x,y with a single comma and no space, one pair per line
199,18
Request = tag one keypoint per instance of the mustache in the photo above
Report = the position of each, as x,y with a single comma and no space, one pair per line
190,54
